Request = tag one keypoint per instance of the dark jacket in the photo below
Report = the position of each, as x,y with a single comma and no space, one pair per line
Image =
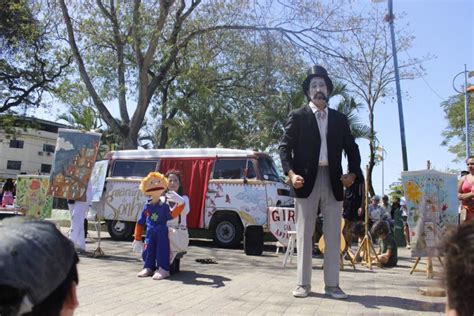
299,149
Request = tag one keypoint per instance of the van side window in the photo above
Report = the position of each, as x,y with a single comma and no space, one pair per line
251,174
268,169
130,168
229,169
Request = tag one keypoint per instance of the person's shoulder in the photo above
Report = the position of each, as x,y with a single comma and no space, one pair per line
300,111
337,114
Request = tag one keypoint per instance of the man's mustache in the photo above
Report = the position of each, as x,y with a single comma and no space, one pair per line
320,96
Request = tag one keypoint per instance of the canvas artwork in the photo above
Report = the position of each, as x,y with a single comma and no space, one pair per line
32,196
432,208
98,179
74,160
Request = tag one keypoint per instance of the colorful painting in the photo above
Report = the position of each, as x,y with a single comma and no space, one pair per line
32,196
432,208
123,200
280,221
248,200
98,179
74,160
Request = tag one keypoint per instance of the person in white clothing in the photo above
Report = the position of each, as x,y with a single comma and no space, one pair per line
178,231
175,184
79,212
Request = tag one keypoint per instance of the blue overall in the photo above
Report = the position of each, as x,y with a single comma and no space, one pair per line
157,244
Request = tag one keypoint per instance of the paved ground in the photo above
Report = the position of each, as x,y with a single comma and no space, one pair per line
240,284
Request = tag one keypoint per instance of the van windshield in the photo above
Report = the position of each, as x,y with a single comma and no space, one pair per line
268,169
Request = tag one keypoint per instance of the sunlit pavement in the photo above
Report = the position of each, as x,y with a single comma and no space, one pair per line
240,284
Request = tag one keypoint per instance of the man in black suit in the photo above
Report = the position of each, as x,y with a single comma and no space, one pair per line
311,156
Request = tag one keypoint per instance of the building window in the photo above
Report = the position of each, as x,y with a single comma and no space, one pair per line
48,148
13,164
16,143
45,168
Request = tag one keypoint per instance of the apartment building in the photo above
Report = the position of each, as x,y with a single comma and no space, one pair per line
29,149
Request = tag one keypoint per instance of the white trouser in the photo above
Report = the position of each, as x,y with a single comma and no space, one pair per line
306,212
76,234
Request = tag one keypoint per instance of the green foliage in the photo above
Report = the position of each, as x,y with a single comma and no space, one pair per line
396,190
29,63
18,26
455,133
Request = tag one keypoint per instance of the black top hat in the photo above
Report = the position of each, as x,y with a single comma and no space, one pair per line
317,71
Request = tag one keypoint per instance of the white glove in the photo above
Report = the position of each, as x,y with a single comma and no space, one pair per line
137,246
174,197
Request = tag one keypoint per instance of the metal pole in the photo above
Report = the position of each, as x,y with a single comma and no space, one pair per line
383,186
397,82
466,114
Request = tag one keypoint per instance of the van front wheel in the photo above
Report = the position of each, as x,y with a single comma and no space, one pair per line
228,232
120,230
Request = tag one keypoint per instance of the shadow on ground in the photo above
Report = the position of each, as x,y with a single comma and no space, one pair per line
191,277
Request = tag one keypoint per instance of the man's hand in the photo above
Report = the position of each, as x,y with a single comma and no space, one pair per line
348,179
296,180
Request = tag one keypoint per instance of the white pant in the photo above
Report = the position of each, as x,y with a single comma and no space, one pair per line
76,234
306,212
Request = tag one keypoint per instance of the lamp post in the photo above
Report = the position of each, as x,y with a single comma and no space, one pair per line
466,106
382,158
389,18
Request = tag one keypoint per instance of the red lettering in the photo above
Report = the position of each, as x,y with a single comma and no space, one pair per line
275,216
291,215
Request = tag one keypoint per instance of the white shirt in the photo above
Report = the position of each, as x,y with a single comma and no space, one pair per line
175,221
323,128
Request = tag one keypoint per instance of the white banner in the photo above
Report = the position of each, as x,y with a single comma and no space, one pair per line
280,221
123,200
98,179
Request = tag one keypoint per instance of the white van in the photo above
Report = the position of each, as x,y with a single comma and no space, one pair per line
228,189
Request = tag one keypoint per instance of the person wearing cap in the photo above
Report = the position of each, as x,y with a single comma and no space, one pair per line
311,155
38,273
386,208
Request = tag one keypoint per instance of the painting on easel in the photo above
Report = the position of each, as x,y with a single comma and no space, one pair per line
74,159
432,207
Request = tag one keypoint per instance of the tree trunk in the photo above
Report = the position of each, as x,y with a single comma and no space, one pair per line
163,136
372,150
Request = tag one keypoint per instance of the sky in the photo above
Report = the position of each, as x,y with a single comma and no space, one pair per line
444,28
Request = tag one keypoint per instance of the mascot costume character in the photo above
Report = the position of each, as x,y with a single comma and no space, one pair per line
156,213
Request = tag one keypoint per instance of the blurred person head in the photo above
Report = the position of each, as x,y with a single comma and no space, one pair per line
380,230
38,269
385,200
470,164
375,200
174,179
458,250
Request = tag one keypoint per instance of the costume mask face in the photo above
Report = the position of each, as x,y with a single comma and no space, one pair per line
153,185
318,91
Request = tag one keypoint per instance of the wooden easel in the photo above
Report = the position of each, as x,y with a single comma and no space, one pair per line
430,273
366,246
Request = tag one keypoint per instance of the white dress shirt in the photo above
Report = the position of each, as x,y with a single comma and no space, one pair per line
322,119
